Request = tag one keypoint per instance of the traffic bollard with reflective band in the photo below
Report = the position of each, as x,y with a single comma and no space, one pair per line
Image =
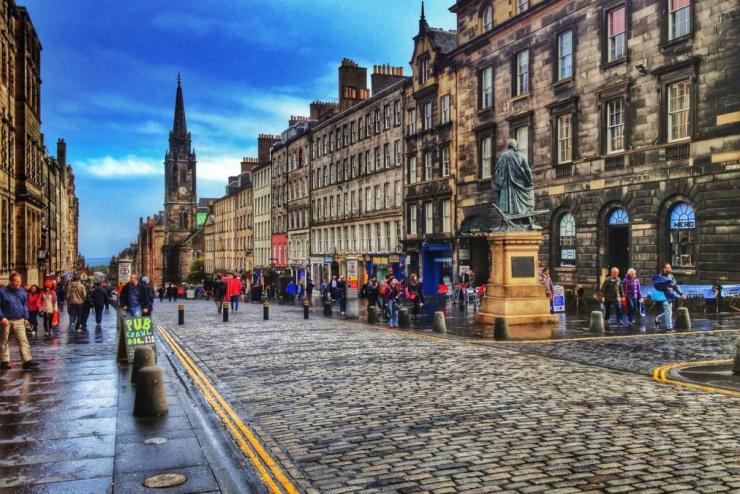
225,311
180,314
266,311
305,308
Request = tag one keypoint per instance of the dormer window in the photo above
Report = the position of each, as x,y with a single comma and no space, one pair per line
423,70
487,18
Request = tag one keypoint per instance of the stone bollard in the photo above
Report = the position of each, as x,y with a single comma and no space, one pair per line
225,311
180,315
440,326
404,321
265,311
500,329
151,398
596,323
327,309
143,357
372,314
683,321
736,364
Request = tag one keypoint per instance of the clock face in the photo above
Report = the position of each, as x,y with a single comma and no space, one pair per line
183,190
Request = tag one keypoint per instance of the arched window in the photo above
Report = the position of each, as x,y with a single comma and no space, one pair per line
682,226
619,217
567,240
487,18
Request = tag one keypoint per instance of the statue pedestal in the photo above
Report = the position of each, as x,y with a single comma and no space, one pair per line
515,294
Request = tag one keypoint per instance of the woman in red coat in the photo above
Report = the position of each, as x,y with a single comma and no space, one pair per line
34,299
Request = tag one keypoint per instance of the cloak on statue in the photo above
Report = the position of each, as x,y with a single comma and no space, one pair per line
513,179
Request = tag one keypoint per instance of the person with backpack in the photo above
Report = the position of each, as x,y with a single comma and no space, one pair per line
99,296
219,292
666,291
76,295
612,293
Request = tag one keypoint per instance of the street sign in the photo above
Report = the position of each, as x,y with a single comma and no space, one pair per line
558,298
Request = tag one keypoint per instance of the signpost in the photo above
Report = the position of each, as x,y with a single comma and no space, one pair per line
353,287
558,298
133,332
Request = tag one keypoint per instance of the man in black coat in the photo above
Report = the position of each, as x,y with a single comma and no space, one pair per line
135,299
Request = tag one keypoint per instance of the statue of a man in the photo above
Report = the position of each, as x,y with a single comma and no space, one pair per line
513,179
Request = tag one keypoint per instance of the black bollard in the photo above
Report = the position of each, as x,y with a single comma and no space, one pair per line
327,309
225,311
305,308
266,311
180,314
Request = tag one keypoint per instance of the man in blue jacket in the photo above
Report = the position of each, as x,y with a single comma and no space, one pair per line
14,317
666,292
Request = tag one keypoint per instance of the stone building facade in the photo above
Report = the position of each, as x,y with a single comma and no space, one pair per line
298,207
430,173
262,207
357,176
629,115
38,205
148,259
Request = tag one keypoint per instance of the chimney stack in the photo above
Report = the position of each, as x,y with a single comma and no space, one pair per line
385,76
61,152
264,143
248,164
352,84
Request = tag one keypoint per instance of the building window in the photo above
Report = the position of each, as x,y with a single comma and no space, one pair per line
485,97
397,198
377,120
387,117
446,161
565,138
397,112
427,124
427,166
679,18
377,158
619,216
565,55
487,18
397,152
679,101
485,152
368,126
446,216
521,84
682,226
386,195
522,5
387,155
411,229
353,161
567,239
378,198
345,136
368,199
412,170
428,217
411,126
423,70
445,105
615,126
617,27
521,134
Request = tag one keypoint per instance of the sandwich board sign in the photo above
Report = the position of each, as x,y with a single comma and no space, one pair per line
134,332
558,298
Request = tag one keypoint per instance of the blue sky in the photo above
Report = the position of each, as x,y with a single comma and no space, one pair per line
109,73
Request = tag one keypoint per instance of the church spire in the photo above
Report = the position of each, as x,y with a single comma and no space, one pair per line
423,26
179,127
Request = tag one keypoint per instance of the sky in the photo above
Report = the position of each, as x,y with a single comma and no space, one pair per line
109,71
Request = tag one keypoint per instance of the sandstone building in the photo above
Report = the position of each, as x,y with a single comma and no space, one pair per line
628,113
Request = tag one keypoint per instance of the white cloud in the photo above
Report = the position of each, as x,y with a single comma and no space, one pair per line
109,167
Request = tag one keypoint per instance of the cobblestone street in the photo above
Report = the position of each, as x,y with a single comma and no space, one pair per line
349,408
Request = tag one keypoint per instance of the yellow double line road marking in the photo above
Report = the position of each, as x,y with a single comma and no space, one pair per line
660,374
269,471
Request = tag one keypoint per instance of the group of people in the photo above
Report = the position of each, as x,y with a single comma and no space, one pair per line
228,288
84,297
624,295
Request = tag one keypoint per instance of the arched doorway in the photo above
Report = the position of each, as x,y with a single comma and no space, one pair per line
618,239
474,249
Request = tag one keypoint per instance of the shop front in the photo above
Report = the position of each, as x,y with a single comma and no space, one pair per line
381,265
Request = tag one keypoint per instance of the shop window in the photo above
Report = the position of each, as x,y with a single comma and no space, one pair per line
682,226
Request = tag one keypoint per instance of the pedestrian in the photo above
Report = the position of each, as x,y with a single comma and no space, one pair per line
546,280
75,296
149,293
414,293
179,293
14,317
134,299
109,293
170,292
666,291
48,306
333,288
342,295
86,307
34,298
309,289
160,293
219,292
61,291
612,294
391,295
99,296
372,290
290,291
631,289
235,292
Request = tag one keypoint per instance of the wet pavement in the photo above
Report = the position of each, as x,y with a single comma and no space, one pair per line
348,407
68,426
